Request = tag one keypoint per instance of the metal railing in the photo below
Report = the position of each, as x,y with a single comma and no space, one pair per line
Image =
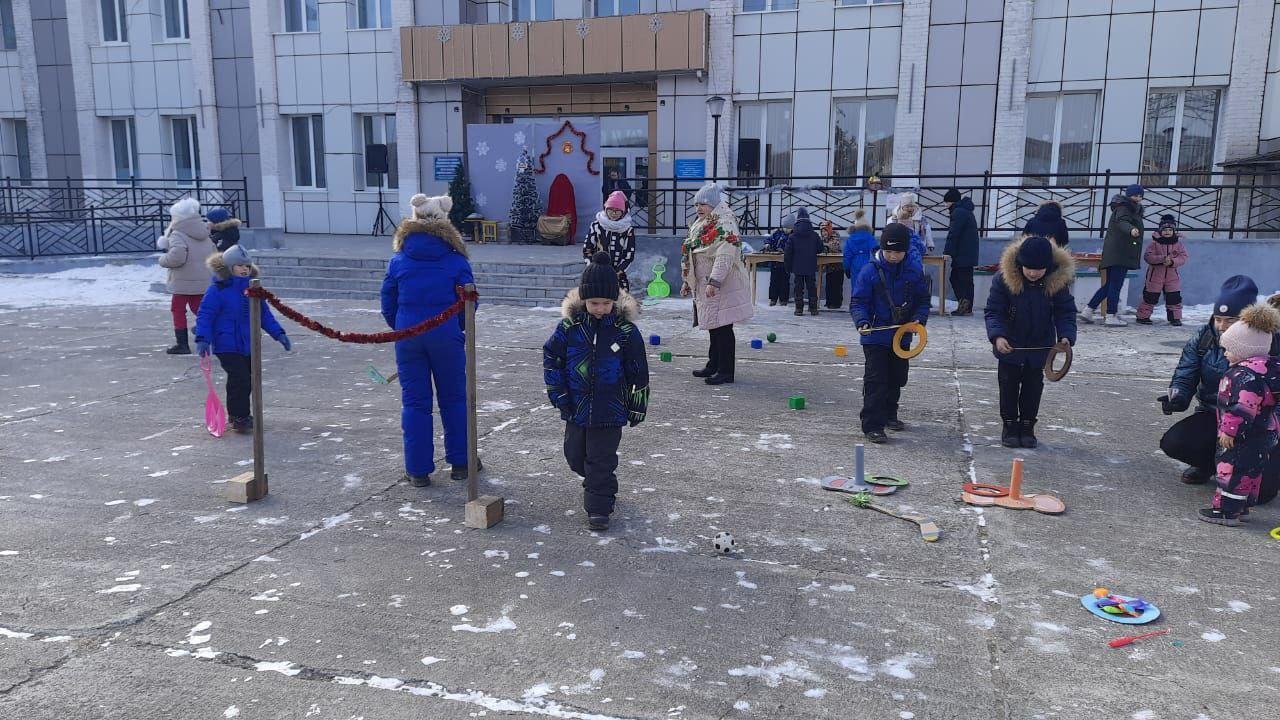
1223,204
89,217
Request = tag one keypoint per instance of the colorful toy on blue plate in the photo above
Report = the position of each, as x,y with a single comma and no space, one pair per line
1119,608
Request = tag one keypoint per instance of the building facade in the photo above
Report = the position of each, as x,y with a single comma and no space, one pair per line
289,93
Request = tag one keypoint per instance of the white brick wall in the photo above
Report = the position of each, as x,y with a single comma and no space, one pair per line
270,130
719,81
406,113
95,157
909,132
206,98
1242,111
30,87
1011,90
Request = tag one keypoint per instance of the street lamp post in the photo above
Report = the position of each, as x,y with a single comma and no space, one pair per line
715,104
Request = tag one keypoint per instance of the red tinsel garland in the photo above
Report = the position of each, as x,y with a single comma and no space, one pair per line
365,338
582,143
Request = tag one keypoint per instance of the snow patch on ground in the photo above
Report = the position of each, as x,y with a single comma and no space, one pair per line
328,524
774,674
495,626
96,286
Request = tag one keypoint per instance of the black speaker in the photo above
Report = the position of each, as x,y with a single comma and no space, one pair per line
748,156
375,159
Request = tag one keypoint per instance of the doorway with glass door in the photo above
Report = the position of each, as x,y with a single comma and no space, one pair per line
624,145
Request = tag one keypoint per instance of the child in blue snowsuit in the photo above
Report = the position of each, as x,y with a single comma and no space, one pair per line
779,278
597,375
890,290
859,246
223,325
422,281
1030,306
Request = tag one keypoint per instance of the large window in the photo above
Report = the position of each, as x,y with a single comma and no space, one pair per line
864,137
525,10
764,140
617,7
115,21
308,151
124,146
844,3
373,13
175,20
1177,140
1059,142
8,38
379,130
186,150
14,150
301,15
767,5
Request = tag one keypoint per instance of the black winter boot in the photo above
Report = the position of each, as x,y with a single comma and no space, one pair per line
964,307
182,346
1009,434
706,371
460,472
1028,434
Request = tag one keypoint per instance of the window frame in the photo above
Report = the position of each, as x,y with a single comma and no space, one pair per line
191,142
769,6
301,6
183,16
617,10
532,5
8,31
391,180
765,153
318,176
120,17
861,170
1054,176
131,142
382,14
1172,172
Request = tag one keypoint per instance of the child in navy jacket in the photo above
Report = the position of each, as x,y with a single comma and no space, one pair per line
1030,306
889,291
597,375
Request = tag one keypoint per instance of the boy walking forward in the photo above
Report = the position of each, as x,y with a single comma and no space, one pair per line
597,375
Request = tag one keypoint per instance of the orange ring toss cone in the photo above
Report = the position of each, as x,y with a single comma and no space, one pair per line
1014,499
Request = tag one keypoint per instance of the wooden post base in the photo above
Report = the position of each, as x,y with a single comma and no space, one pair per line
244,489
484,512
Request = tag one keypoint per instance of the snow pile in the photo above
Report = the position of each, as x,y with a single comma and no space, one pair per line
98,286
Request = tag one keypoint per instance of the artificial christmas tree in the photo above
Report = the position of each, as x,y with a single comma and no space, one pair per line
463,204
525,207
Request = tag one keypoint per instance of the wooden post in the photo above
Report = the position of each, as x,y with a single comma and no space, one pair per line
485,511
248,487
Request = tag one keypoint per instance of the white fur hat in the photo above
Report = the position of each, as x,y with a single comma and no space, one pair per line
431,208
187,207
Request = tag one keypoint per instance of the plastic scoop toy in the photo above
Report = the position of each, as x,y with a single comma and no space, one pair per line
1131,639
215,416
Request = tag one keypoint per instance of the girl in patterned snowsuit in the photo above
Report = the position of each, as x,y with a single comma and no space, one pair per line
611,232
1248,428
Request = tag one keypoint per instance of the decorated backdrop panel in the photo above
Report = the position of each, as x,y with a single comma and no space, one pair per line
494,149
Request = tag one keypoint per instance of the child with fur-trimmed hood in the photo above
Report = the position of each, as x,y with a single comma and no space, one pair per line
1030,306
422,281
224,230
597,375
223,329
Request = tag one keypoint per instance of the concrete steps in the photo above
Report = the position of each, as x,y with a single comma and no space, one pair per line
292,275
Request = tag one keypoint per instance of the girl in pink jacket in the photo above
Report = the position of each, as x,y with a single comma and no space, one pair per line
1164,255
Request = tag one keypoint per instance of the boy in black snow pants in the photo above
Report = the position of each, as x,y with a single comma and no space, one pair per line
597,375
801,259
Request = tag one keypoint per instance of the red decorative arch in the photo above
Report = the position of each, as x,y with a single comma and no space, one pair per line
582,145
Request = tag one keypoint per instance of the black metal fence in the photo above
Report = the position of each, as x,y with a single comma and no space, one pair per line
1221,204
91,217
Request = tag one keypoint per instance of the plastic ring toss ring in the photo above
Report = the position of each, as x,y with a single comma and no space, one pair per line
1275,533
985,490
886,480
1055,375
911,327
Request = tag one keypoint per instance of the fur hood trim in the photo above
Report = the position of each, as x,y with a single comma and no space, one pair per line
1063,272
442,229
220,270
626,307
228,223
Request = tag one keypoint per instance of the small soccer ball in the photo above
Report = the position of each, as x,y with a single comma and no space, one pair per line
724,543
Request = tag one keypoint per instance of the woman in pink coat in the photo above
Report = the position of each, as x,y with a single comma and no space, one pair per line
1164,255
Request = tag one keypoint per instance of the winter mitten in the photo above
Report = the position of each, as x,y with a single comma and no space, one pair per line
284,340
162,243
202,348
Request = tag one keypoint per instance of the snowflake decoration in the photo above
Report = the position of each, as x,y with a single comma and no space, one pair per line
583,29
518,31
519,138
655,23
482,148
482,199
445,34
500,166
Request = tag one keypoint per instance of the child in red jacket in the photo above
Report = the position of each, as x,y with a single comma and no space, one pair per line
1164,255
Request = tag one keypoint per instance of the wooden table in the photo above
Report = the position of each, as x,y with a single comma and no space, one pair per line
825,259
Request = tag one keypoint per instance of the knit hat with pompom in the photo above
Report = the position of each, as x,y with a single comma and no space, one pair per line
431,208
599,280
1252,335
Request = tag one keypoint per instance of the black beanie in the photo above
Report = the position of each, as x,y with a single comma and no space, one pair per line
1035,253
895,237
1168,221
953,195
599,280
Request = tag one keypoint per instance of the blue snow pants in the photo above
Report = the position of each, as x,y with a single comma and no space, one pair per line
421,360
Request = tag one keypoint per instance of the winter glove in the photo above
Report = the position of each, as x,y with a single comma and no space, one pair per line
1165,406
202,348
864,328
162,243
284,340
